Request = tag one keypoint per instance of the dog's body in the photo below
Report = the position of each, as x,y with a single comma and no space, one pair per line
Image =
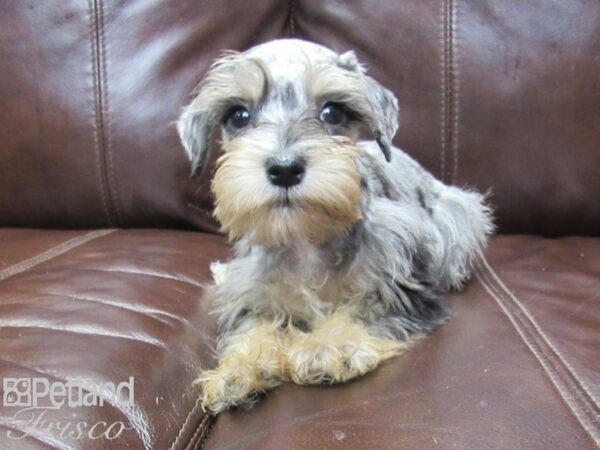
343,243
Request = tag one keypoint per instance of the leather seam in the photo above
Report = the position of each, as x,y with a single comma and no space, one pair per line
53,252
543,336
551,370
200,432
194,436
202,439
443,100
185,422
98,134
559,383
455,88
197,405
449,145
292,22
102,52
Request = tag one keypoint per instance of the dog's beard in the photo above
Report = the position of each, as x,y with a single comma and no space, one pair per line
325,204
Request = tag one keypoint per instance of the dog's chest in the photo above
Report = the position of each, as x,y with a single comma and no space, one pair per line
307,283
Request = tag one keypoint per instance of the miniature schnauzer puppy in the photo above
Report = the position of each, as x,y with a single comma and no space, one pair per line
343,243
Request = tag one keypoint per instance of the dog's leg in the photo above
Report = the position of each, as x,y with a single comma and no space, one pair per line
250,363
338,349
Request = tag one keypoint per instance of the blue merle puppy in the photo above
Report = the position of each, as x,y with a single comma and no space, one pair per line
343,243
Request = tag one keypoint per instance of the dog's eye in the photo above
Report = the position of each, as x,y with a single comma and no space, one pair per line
333,114
238,117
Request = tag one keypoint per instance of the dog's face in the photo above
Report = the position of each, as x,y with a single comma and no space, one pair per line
291,113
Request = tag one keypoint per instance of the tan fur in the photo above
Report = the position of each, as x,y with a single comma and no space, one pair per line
337,350
326,204
252,363
327,82
233,76
323,80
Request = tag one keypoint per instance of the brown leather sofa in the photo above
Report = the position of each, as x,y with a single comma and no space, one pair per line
106,241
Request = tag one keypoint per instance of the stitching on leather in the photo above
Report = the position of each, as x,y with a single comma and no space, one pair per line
52,253
200,433
542,334
546,366
454,86
443,62
197,405
538,351
202,439
97,113
194,436
450,93
292,15
106,110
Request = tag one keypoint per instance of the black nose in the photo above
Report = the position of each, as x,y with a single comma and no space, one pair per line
285,172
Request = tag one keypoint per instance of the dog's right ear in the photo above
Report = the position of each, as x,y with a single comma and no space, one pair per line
194,128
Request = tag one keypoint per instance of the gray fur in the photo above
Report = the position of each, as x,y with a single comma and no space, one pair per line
384,120
417,238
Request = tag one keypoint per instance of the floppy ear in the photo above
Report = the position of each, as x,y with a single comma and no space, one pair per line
383,120
385,107
232,76
194,129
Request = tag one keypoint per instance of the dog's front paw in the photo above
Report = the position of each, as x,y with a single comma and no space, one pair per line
337,351
250,364
223,388
310,361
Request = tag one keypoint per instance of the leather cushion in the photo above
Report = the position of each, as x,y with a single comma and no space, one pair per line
104,306
516,366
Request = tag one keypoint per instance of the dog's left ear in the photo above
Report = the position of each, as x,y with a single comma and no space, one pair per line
383,121
385,107
194,128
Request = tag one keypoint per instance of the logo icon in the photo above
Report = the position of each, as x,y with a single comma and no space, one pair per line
17,392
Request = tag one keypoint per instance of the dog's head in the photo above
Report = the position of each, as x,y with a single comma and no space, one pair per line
291,113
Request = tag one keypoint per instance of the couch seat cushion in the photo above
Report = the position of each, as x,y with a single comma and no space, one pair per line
517,367
104,306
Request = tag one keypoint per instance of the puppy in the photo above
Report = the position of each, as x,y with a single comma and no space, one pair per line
343,243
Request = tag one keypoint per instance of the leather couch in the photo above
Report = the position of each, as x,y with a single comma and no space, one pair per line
105,240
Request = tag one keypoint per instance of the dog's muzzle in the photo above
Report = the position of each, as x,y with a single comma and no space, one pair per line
285,172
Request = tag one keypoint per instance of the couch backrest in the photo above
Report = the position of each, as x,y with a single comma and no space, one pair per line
494,94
